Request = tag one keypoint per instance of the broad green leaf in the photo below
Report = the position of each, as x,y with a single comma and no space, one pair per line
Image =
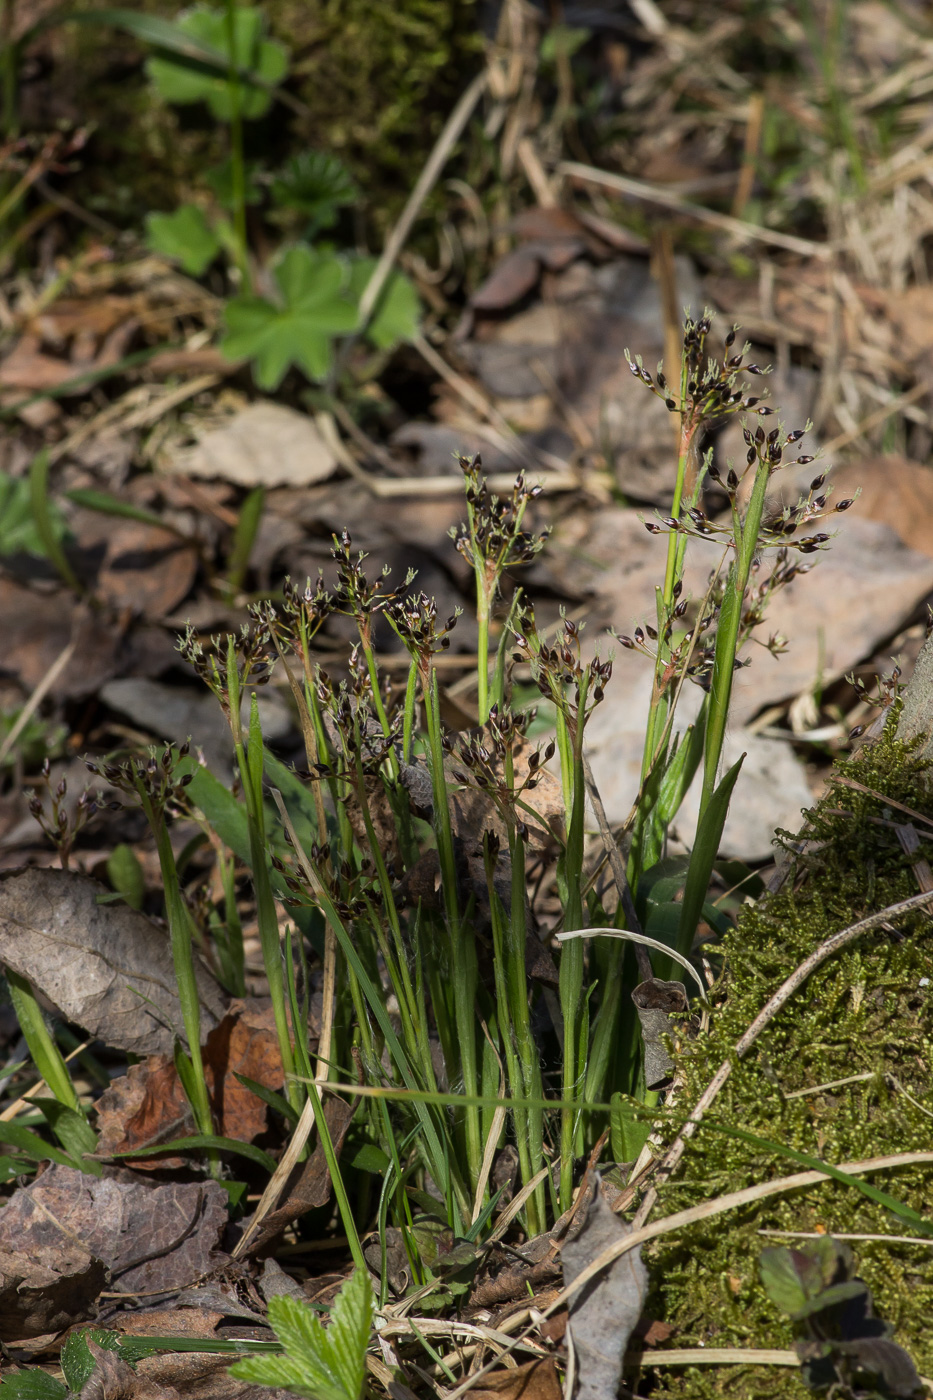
182,83
219,179
185,236
398,309
319,1363
314,308
368,1158
32,1384
781,1281
838,1293
346,1339
76,1359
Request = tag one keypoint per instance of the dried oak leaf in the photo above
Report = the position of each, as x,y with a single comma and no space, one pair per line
604,1313
103,966
149,1235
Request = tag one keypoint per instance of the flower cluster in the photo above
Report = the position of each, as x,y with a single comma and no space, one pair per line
711,389
764,450
492,537
576,689
59,825
153,779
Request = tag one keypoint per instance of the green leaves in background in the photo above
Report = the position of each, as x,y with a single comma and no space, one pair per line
264,59
319,295
316,185
318,1364
185,236
19,532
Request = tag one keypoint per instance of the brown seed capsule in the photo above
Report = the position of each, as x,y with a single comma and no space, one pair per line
844,505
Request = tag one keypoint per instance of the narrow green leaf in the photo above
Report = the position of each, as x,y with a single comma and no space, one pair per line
31,1145
702,858
44,519
277,1101
73,1131
210,1141
126,875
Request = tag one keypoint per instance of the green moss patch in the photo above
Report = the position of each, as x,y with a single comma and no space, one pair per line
867,1011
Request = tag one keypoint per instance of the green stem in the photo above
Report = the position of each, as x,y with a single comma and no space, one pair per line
727,633
237,168
462,948
179,925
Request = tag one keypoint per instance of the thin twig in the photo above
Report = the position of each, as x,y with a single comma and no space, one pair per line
445,143
38,695
764,1018
656,194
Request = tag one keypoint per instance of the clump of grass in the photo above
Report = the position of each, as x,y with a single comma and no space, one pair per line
402,852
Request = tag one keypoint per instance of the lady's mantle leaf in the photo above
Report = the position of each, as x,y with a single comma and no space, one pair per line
180,82
397,310
184,236
298,332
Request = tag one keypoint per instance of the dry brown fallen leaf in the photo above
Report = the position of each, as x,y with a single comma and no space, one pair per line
103,966
47,1288
145,568
148,1105
264,444
537,1380
114,1379
149,1235
603,1314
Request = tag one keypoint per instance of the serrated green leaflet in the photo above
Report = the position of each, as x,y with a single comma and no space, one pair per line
319,1363
397,310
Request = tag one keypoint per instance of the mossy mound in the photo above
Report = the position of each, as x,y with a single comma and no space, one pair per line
867,1011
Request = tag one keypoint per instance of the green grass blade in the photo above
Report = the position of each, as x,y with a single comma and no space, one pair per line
42,519
207,1142
702,858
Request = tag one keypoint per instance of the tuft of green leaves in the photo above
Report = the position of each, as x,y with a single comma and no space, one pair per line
845,1350
318,1364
